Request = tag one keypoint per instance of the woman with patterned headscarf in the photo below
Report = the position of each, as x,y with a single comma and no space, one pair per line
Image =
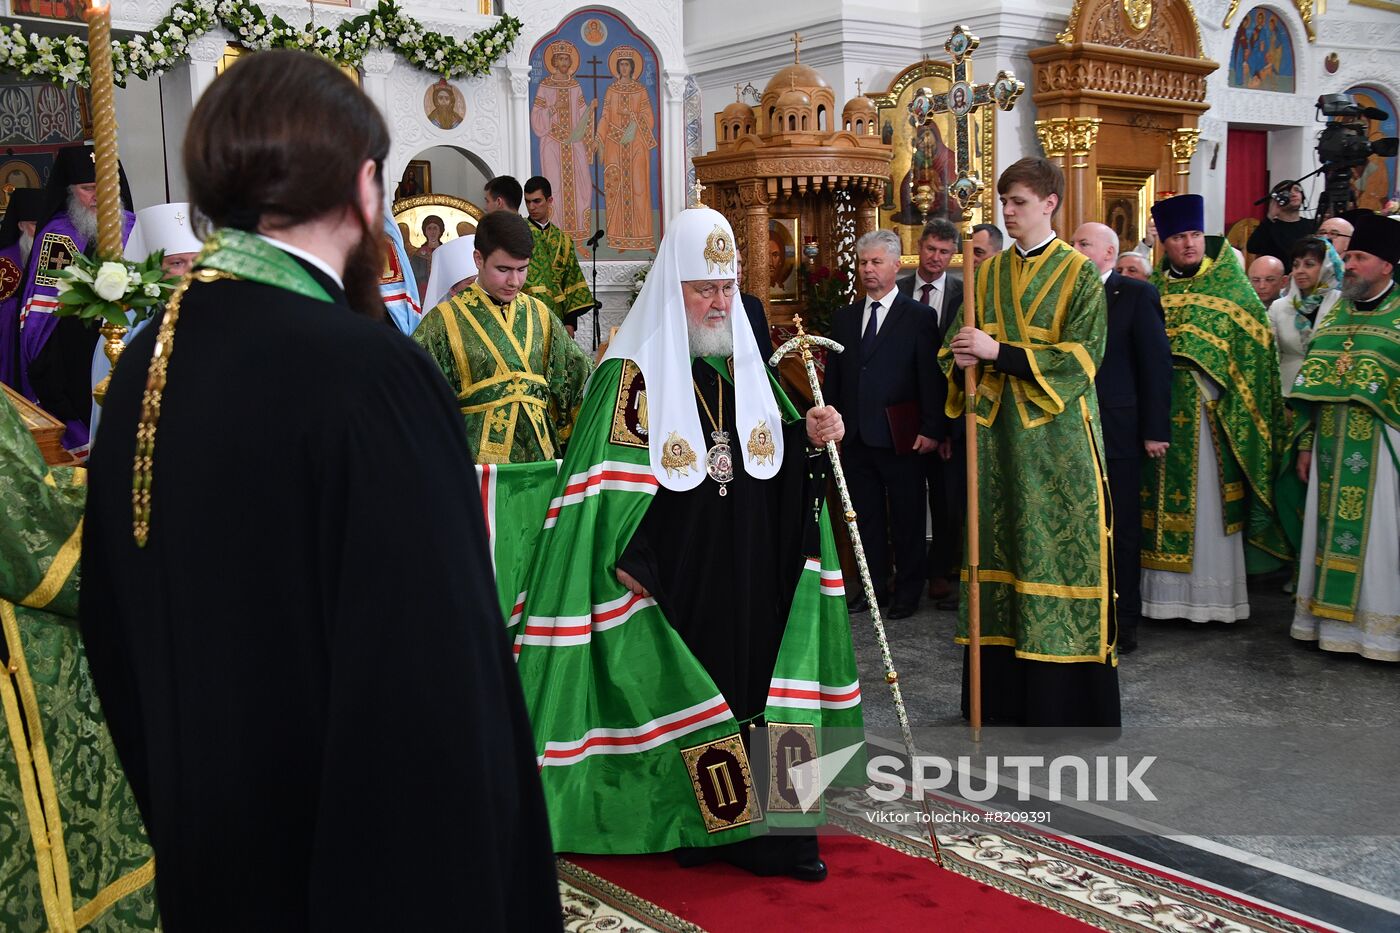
1311,293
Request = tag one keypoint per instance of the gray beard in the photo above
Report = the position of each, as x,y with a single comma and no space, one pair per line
1357,290
26,244
82,219
711,341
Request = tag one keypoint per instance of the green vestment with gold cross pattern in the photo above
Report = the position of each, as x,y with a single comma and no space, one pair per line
1220,332
518,375
73,849
1043,495
554,276
1346,394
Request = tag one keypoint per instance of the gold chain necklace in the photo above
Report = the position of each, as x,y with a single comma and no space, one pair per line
144,462
719,461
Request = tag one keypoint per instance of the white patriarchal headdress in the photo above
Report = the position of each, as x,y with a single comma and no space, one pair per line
698,246
453,261
166,227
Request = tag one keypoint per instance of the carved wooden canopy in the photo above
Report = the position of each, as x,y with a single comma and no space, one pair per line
1142,53
1118,98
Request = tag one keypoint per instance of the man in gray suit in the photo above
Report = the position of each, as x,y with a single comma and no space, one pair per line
933,285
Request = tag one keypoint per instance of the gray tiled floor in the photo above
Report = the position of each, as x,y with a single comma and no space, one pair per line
1265,744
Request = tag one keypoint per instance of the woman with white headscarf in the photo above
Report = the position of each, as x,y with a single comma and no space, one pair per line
1312,291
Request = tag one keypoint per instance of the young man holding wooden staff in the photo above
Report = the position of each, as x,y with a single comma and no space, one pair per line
1037,334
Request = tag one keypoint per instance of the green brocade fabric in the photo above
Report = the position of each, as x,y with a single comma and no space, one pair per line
617,700
1219,328
1346,391
73,851
554,276
1042,494
1355,357
248,256
518,375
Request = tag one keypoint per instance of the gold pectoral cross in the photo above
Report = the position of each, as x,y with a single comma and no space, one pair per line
1345,362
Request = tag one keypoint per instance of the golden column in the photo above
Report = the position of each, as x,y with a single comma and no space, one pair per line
1054,137
1183,144
1083,134
753,199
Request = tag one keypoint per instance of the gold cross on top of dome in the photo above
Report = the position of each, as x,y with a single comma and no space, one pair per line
796,41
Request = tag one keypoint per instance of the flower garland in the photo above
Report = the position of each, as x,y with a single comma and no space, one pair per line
63,59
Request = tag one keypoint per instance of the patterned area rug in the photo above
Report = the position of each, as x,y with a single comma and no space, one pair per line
594,905
1061,874
1052,873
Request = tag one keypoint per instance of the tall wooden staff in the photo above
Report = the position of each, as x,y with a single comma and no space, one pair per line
961,99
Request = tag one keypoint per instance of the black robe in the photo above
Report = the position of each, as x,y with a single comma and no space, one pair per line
305,671
724,570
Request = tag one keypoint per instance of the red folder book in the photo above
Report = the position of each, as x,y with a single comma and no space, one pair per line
904,425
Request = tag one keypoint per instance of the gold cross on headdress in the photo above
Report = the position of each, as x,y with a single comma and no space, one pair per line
961,100
695,193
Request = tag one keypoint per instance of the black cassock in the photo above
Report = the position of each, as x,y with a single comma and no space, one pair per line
305,671
724,569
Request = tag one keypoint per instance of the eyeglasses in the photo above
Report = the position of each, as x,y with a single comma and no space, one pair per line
709,290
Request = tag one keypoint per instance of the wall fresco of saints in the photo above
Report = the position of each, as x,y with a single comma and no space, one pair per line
595,125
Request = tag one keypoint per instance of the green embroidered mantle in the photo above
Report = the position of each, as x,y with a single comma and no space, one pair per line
73,851
1220,330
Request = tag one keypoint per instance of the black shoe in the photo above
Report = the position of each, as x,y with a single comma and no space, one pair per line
1127,647
951,603
900,611
859,604
810,870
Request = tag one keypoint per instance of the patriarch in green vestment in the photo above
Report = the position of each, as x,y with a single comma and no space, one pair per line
683,638
1345,470
1208,510
1048,628
517,373
555,277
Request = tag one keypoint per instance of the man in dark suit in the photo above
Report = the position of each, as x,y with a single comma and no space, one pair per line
887,383
1134,387
758,317
942,291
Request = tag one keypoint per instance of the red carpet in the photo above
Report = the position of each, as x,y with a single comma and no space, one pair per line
870,887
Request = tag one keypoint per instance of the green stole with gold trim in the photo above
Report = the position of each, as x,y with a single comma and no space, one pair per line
554,276
497,361
1218,329
1349,390
248,256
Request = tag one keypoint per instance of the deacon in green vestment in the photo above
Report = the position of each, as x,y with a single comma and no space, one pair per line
1347,467
1047,625
73,850
555,277
1208,510
517,373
